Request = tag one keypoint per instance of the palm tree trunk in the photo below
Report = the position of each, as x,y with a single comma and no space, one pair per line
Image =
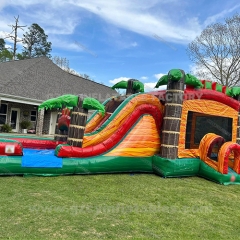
130,89
238,124
77,125
172,118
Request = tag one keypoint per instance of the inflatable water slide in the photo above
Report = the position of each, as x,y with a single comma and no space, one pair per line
190,129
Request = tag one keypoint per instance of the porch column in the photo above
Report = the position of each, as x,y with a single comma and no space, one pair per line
40,119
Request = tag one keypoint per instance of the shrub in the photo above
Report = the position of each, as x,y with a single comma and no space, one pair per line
25,124
6,128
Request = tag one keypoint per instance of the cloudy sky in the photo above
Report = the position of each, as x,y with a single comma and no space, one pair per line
112,40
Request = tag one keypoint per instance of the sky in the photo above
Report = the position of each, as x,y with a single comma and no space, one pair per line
113,40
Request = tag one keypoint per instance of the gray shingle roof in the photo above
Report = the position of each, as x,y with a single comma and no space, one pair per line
41,79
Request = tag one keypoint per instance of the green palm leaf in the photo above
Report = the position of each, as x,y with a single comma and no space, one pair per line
162,81
121,84
176,75
193,81
67,100
137,85
93,104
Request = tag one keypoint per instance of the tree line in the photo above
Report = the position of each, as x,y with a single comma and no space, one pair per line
34,44
216,52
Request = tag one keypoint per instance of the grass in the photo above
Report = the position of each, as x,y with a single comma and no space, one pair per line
121,206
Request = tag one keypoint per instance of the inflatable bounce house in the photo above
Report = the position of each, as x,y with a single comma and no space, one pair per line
190,129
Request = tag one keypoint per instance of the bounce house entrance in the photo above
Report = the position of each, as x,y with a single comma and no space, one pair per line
199,124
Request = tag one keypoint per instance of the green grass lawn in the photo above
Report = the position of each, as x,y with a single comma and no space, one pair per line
121,206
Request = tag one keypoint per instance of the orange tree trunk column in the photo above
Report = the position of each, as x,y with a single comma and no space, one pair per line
172,115
77,125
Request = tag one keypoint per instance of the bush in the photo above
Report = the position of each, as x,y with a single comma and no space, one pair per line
25,124
6,128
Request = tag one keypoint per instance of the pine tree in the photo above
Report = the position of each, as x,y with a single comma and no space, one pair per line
35,42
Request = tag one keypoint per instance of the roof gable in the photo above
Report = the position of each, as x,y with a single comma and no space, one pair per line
41,79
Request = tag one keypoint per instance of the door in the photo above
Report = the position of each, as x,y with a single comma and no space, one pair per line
53,120
14,119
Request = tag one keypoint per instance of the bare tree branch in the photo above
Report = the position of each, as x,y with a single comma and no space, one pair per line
216,52
13,35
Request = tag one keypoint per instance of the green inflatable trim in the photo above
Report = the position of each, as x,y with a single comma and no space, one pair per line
92,103
20,136
122,84
175,167
209,173
92,165
208,85
219,87
58,147
229,92
9,140
106,164
235,91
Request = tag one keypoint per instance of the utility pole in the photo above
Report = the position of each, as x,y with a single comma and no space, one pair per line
13,35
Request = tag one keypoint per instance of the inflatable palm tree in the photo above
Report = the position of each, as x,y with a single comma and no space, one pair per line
78,116
132,86
79,119
173,110
175,81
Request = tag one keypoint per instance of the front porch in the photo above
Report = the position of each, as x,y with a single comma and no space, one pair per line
14,111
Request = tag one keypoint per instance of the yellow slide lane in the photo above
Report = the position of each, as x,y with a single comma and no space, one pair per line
120,118
142,141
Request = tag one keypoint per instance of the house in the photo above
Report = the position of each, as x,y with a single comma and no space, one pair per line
25,84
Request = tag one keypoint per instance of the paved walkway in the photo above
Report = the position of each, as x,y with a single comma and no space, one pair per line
20,135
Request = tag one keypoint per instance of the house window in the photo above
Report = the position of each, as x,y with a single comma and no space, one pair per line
3,113
33,116
199,124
